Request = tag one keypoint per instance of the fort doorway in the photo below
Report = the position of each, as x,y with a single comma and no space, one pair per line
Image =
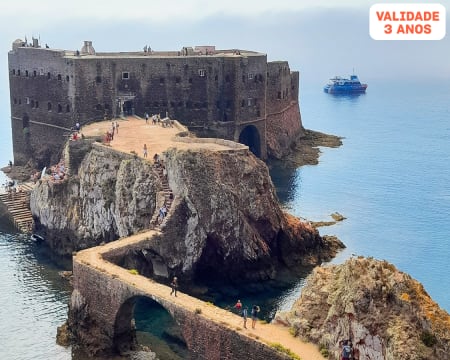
128,108
250,136
152,326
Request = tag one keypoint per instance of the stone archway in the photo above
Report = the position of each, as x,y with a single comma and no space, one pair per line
250,137
143,321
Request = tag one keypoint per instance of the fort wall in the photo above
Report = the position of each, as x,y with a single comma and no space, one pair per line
216,95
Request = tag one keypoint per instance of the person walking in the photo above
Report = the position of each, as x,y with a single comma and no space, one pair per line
174,286
255,311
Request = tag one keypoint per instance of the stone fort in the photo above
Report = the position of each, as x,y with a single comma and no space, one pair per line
232,94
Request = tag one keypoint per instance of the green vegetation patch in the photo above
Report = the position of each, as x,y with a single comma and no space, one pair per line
282,349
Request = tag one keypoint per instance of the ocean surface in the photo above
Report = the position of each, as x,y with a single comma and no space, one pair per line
390,179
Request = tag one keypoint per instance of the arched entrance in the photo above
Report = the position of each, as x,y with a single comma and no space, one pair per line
250,137
142,322
128,108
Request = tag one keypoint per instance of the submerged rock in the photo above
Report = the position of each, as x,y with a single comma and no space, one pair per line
387,314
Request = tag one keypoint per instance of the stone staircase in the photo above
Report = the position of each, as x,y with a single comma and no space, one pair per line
168,198
18,206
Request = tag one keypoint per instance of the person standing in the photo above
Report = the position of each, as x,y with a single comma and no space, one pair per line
145,150
238,306
117,127
255,311
174,286
244,316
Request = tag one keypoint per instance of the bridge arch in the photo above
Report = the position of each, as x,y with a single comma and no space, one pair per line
250,136
142,314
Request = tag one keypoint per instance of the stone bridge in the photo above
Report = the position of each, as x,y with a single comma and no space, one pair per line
102,306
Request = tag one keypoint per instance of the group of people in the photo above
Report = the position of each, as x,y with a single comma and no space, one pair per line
57,172
243,310
114,130
156,120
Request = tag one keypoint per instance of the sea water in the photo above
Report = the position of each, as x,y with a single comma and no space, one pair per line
390,179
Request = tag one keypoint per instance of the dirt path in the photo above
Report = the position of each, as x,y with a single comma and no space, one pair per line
267,333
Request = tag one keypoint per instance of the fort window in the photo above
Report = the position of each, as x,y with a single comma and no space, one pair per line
59,109
250,102
67,108
216,78
49,106
227,78
98,79
36,104
32,104
250,76
125,75
59,77
26,73
201,72
41,72
261,78
243,78
34,73
14,71
258,113
18,72
20,101
67,78
177,80
161,81
190,80
106,106
15,101
48,75
279,94
98,107
27,100
242,103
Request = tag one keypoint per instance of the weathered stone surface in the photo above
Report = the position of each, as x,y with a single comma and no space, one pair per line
112,196
387,314
225,219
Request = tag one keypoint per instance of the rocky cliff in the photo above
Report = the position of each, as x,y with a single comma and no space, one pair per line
387,314
225,218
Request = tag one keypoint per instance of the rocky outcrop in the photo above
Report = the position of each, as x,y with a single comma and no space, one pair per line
387,314
112,196
224,221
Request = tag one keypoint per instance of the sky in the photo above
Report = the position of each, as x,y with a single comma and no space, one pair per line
319,38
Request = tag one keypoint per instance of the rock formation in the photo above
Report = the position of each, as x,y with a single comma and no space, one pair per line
387,314
225,218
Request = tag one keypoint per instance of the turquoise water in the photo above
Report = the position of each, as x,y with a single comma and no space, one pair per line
390,178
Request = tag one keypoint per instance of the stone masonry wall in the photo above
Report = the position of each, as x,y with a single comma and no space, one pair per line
99,320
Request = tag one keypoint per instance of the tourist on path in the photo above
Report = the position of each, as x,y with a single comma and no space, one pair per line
244,316
117,127
174,286
255,311
238,306
145,150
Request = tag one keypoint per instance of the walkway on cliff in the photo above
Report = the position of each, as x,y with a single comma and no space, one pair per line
266,333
